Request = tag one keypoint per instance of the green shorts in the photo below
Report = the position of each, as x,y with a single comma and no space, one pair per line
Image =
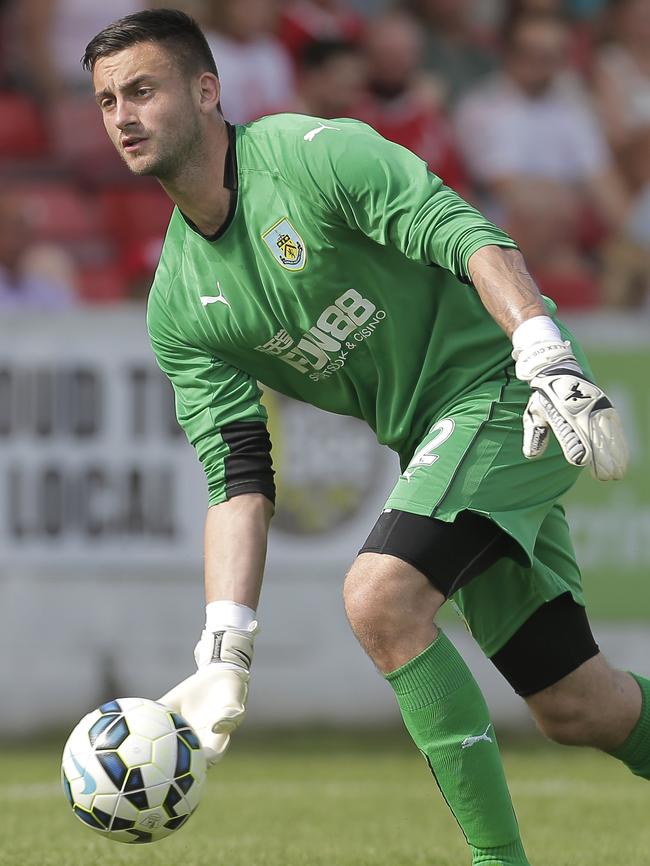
471,458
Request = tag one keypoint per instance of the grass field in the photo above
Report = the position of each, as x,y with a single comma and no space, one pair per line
307,799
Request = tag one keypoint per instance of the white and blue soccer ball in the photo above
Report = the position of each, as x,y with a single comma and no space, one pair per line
133,770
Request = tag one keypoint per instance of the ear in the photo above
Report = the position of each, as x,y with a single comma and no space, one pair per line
209,92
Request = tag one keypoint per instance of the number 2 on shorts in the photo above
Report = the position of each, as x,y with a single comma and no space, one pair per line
425,456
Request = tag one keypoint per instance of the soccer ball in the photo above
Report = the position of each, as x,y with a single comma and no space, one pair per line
133,770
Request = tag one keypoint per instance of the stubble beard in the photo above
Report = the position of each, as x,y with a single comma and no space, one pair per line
172,158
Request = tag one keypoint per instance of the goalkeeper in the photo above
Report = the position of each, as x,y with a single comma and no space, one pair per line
322,260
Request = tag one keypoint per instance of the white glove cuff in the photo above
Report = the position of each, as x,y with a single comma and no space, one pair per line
540,357
228,647
228,614
539,329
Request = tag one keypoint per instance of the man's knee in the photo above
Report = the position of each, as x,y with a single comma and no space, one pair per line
389,604
388,594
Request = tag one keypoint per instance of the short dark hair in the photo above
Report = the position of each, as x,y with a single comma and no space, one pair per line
318,52
166,26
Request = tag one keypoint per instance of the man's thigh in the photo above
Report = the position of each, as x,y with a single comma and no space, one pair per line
470,511
531,622
500,600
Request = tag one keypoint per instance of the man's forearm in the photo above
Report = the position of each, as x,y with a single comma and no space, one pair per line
507,290
589,433
235,549
213,699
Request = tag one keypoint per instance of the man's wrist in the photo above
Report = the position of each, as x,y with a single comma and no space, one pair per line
228,614
539,329
538,346
227,639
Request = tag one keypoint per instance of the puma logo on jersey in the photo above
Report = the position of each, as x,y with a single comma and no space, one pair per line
215,299
311,135
468,742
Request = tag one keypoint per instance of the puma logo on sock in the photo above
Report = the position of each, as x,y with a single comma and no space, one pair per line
468,742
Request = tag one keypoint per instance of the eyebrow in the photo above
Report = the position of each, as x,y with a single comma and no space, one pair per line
128,85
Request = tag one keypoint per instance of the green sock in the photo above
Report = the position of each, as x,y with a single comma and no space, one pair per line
635,751
446,715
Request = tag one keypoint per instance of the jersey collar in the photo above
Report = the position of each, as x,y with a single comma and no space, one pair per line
230,181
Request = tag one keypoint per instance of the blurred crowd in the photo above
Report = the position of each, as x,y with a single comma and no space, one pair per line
537,111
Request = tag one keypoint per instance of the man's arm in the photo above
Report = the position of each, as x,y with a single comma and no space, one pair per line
219,408
393,199
563,400
507,290
214,698
235,549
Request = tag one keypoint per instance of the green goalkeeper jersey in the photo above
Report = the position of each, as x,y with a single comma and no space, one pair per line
339,278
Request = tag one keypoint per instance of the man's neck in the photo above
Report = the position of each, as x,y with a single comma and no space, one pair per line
199,192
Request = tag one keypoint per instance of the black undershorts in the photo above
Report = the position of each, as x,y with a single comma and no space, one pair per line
551,644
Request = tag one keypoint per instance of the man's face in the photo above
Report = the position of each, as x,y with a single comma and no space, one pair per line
338,85
249,19
149,109
445,13
536,55
393,49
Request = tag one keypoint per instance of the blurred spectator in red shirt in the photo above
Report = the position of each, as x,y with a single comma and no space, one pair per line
332,80
454,50
138,266
404,102
255,70
305,21
32,275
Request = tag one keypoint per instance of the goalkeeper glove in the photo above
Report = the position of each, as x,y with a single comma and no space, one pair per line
213,700
580,415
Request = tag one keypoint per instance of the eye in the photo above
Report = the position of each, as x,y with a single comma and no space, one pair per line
106,103
143,91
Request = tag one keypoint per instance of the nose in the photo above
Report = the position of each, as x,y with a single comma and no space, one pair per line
124,114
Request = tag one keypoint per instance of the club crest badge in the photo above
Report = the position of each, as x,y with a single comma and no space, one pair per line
286,245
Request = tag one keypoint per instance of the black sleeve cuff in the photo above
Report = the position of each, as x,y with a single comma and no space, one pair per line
248,467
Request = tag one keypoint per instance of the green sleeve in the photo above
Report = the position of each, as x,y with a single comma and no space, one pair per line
210,394
389,194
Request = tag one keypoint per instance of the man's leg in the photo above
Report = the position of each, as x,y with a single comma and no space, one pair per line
574,695
597,705
465,512
391,606
554,663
